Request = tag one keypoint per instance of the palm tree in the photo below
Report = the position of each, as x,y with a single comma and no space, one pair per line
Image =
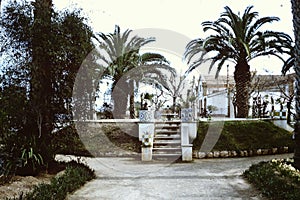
296,24
236,39
124,65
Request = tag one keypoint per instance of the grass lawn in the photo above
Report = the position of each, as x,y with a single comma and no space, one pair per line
235,135
245,135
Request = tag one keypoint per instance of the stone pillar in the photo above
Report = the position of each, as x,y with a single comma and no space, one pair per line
188,134
146,153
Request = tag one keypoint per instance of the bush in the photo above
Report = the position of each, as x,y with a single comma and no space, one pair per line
276,179
20,155
74,177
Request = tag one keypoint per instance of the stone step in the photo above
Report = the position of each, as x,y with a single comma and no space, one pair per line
167,137
167,142
169,122
167,149
166,132
167,128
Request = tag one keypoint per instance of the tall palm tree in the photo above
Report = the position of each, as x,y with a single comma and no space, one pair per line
124,60
296,24
236,39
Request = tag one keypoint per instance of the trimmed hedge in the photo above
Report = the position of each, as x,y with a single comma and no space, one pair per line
276,179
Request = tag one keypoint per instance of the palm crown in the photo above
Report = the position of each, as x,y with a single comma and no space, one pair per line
125,64
238,40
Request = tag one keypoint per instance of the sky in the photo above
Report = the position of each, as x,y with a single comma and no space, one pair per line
174,23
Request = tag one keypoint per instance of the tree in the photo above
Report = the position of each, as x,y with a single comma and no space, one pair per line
122,57
43,51
236,39
174,88
296,25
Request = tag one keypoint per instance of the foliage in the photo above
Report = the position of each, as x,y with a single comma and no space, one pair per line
21,155
277,179
31,160
212,108
41,52
246,135
75,175
237,39
123,55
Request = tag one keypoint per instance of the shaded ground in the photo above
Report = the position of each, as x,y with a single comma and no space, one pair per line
22,184
129,178
18,185
109,139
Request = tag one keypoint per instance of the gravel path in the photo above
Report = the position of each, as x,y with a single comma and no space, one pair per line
129,178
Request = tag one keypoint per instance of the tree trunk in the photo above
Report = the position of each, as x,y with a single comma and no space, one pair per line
131,99
120,97
288,105
174,104
41,93
242,79
296,24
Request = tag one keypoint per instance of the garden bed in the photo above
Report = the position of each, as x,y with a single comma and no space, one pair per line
276,179
48,186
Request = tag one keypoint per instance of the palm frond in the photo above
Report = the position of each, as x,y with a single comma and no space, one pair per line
287,65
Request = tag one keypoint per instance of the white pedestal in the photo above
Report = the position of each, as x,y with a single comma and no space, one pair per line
187,152
146,153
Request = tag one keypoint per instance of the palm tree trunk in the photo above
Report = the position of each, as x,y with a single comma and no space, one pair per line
131,99
296,24
120,97
242,79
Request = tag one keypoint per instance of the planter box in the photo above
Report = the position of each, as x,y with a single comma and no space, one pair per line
187,115
146,116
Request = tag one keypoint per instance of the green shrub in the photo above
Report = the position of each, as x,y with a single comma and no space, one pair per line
276,179
20,155
73,178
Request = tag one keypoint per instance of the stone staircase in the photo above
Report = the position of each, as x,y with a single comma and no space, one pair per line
167,140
